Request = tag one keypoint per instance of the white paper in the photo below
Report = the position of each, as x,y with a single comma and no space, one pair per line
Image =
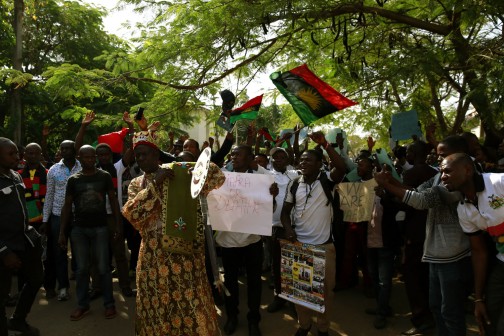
243,204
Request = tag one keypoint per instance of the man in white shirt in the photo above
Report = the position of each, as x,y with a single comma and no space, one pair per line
311,224
481,209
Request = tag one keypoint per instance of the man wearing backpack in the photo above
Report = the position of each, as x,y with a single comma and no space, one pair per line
313,212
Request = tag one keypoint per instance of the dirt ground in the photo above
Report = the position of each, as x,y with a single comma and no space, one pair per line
348,317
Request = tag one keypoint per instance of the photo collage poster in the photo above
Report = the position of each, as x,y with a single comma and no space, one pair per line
302,269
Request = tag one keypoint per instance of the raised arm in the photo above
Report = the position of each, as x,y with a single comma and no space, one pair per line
79,139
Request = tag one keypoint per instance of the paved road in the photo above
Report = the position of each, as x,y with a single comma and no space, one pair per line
52,317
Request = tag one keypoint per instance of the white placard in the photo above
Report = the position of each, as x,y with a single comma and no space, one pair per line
243,204
356,200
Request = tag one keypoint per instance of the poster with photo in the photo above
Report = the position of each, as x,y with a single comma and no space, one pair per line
302,268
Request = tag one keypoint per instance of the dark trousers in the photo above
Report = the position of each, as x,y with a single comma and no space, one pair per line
381,269
416,282
495,300
448,291
276,252
250,257
354,255
133,240
56,263
118,251
32,272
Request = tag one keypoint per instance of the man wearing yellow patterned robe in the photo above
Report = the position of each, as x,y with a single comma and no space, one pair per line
174,296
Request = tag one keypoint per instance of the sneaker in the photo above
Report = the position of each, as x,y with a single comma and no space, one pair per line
21,325
418,331
276,305
110,313
63,294
78,314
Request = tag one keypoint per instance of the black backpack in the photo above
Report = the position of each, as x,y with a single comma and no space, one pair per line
337,228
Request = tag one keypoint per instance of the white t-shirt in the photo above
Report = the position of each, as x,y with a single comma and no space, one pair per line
238,239
489,216
312,216
282,180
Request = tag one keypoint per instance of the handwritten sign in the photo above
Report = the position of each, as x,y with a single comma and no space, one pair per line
356,200
302,268
243,204
404,125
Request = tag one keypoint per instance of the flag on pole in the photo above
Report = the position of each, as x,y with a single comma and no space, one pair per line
265,133
247,111
310,97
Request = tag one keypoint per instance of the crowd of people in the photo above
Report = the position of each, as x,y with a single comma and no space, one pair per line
437,220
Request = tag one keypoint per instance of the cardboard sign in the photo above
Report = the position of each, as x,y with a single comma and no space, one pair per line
356,200
243,204
404,125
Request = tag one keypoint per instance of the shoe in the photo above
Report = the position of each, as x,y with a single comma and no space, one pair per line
380,322
50,294
63,294
128,292
254,329
21,325
276,305
110,313
302,332
230,326
78,314
94,294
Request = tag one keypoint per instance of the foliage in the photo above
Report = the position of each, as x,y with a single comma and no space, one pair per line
436,56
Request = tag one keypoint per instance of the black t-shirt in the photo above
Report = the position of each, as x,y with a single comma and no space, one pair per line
89,193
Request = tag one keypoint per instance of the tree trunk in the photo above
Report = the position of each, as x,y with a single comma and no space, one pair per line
17,63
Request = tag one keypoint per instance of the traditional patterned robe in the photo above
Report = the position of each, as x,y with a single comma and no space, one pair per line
174,296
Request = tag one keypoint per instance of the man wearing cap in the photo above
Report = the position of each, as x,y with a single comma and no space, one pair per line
280,161
481,209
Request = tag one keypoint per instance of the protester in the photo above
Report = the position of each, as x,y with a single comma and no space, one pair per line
481,209
280,161
446,248
416,272
174,296
242,250
20,244
57,260
86,192
311,223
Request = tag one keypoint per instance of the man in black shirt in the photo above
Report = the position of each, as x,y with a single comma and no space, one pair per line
20,248
87,191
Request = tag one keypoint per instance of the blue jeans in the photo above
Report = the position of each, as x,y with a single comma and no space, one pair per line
448,291
381,269
56,264
91,243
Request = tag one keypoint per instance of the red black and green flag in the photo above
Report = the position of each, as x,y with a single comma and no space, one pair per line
310,97
247,111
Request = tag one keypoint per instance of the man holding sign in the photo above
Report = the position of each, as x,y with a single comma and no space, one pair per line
312,219
242,249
